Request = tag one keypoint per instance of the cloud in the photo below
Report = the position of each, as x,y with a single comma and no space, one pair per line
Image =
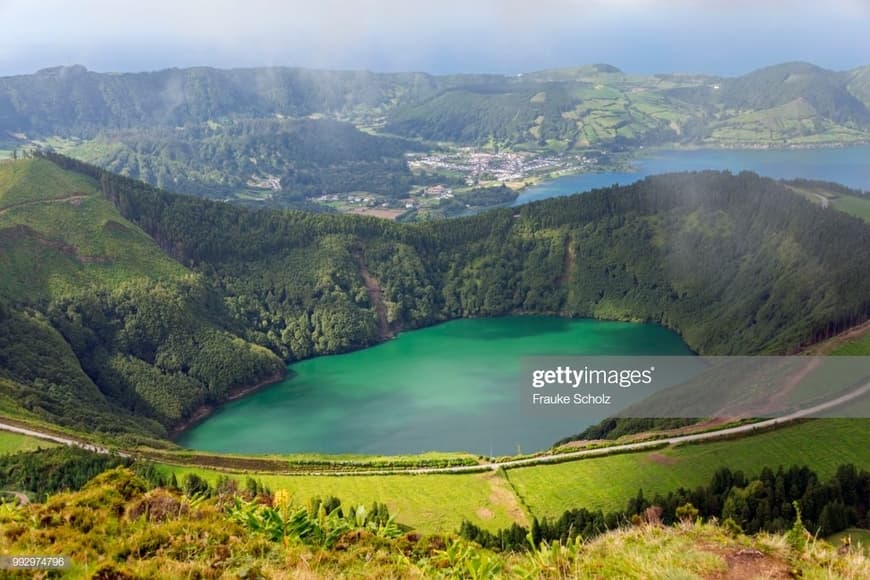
505,35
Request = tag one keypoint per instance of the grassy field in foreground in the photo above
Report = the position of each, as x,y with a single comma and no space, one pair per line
13,443
441,502
429,503
608,482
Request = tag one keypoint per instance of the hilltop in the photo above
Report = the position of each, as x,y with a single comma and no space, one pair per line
61,235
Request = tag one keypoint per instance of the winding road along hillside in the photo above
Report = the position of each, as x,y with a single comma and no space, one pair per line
850,396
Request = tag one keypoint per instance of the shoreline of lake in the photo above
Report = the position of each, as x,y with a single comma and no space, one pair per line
817,163
401,396
205,410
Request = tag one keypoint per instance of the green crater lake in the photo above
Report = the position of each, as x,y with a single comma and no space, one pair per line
451,387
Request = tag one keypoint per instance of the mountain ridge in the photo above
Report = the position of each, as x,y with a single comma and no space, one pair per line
284,136
268,90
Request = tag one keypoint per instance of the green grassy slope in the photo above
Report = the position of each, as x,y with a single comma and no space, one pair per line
603,482
608,482
15,443
844,199
857,537
430,503
59,236
857,206
859,346
34,181
115,527
68,256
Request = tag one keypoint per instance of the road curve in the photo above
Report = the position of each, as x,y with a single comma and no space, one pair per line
56,438
557,458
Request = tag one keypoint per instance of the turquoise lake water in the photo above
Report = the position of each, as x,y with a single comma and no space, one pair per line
451,387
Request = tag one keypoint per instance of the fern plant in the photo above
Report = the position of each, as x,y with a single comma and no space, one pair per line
288,522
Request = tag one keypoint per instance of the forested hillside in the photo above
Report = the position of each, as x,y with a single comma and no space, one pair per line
734,263
286,160
859,84
72,101
560,116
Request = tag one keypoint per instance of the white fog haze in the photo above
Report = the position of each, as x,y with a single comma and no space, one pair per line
640,36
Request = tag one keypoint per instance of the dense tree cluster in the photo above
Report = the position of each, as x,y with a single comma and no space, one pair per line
49,471
44,472
763,503
727,260
616,427
139,358
149,351
45,378
297,158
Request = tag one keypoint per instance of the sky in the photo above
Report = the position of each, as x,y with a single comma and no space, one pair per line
726,37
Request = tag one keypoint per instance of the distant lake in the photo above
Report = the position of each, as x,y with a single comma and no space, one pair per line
450,387
849,166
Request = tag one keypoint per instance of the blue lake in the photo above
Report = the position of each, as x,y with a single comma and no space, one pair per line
849,166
